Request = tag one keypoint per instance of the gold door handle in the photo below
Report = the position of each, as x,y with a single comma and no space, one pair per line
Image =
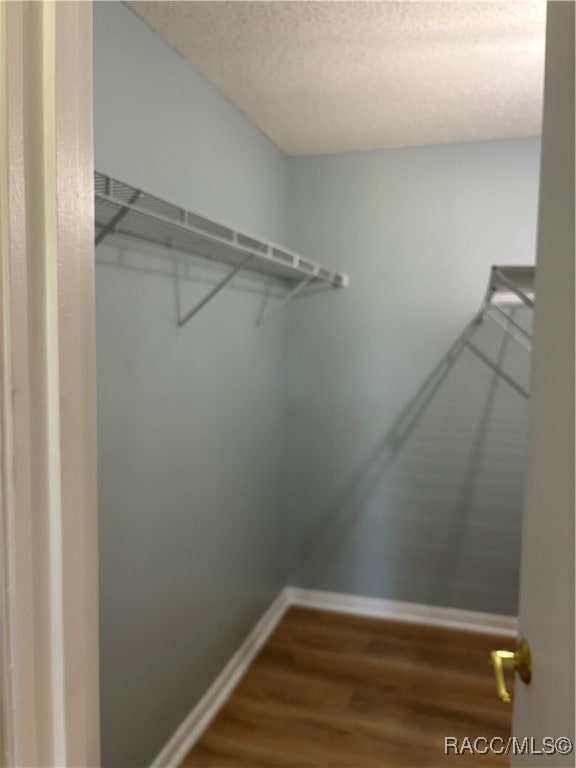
520,660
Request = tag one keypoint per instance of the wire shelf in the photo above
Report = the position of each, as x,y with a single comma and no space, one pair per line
509,288
125,210
512,285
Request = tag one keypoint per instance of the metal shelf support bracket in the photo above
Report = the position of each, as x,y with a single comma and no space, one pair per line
510,325
284,300
109,228
496,368
209,296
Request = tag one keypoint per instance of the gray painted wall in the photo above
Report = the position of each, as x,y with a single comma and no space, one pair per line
427,510
190,423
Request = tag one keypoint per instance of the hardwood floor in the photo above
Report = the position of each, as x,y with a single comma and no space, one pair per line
335,690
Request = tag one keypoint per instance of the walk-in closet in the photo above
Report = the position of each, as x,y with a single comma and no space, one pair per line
314,328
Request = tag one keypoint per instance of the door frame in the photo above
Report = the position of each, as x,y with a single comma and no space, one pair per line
48,470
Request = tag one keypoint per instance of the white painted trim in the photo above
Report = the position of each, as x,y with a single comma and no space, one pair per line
48,505
416,613
209,705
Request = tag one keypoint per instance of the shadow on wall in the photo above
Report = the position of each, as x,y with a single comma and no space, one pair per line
436,506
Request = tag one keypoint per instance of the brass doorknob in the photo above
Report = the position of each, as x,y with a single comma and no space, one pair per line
520,660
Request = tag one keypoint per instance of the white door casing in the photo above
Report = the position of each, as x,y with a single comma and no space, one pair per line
48,481
545,707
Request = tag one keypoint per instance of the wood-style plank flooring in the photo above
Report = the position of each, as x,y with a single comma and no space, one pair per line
335,690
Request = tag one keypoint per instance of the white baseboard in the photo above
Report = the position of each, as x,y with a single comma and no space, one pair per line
208,707
432,615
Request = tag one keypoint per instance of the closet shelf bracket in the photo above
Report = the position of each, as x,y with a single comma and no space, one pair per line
508,287
122,213
507,322
284,301
491,364
209,296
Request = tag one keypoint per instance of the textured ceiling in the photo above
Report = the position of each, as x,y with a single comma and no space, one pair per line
320,77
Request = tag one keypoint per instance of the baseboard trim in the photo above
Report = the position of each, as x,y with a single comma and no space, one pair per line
208,707
453,618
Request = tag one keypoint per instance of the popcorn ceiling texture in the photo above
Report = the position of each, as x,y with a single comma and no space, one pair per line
322,77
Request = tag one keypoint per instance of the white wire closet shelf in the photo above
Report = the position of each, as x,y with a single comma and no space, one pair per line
123,209
509,289
512,286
